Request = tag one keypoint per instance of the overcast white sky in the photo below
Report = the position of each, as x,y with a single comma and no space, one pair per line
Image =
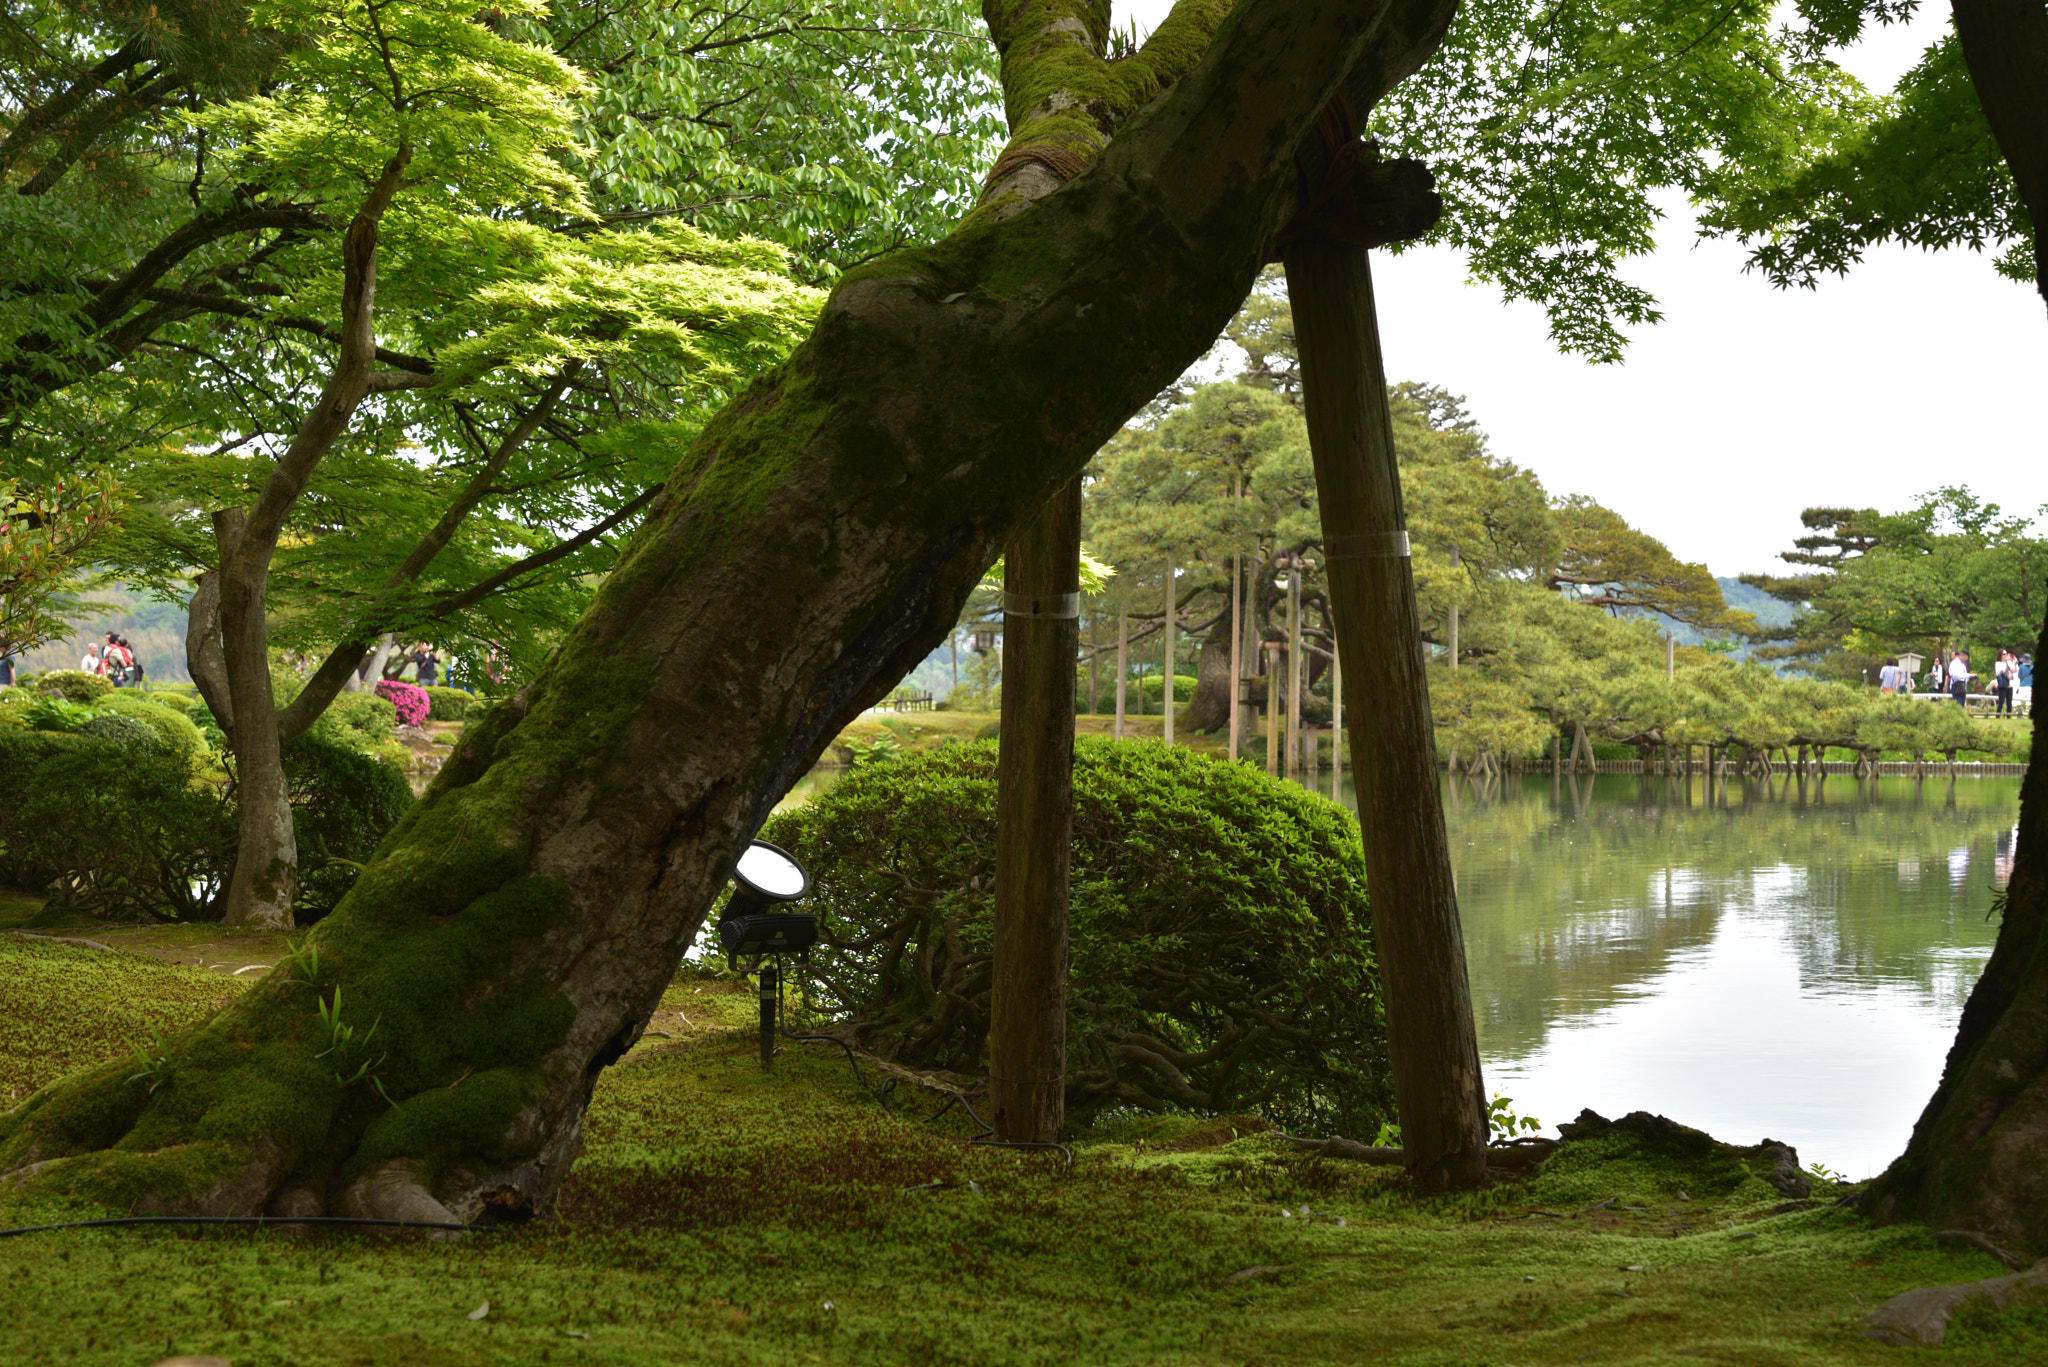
1747,403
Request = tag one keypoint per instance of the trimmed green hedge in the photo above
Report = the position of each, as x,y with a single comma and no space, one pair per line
343,801
453,704
107,825
118,829
74,684
1221,953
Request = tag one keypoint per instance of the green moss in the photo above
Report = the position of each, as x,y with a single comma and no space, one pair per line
717,1208
124,1180
468,1117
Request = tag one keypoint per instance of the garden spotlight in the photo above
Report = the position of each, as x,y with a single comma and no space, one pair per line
767,876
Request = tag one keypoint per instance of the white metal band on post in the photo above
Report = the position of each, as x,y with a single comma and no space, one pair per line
1059,606
1369,546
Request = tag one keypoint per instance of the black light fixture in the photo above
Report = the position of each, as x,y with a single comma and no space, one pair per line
766,877
984,637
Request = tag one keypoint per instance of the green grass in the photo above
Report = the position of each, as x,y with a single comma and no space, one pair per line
718,1209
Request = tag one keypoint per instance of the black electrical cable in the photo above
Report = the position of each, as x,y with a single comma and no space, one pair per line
984,1139
258,1220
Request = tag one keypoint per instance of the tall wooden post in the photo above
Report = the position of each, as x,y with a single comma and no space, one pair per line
1123,666
1236,652
1272,707
1433,1045
1454,618
1166,693
1336,724
1034,824
1670,655
1094,659
1294,688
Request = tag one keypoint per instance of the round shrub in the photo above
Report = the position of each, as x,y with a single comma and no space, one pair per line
1220,952
448,704
410,701
114,828
362,720
74,684
122,730
176,730
343,801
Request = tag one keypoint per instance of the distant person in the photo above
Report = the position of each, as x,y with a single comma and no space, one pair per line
2003,677
426,665
91,663
6,671
1890,679
2023,683
117,661
1959,677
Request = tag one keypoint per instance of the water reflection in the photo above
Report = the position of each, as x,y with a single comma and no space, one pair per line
1765,958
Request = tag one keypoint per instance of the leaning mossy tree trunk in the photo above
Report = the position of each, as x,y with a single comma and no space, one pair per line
433,1046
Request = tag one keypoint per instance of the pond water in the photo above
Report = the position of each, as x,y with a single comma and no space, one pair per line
1786,959
1789,959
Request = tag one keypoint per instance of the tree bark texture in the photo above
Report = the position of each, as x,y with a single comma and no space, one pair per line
1034,825
1431,1038
516,930
2005,46
1978,1157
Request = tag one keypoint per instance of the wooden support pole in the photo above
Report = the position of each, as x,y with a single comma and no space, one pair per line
1454,619
1294,689
1166,687
1433,1045
1034,824
1236,653
1272,707
1123,666
1336,723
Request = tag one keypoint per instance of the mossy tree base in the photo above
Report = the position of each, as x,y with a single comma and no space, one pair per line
513,934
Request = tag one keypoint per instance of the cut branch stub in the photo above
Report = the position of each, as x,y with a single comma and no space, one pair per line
1366,202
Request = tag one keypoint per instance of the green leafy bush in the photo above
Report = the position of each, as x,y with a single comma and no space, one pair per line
122,730
450,704
1154,688
74,684
115,823
115,828
361,720
343,801
176,730
57,714
1221,958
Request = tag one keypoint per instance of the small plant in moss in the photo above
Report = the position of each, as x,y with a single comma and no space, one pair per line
1503,1123
156,1066
342,1042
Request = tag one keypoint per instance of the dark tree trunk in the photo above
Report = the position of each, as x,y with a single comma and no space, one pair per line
1209,709
1976,1158
1431,1037
1034,824
516,930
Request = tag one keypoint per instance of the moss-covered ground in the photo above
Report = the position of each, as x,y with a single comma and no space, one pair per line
725,1215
